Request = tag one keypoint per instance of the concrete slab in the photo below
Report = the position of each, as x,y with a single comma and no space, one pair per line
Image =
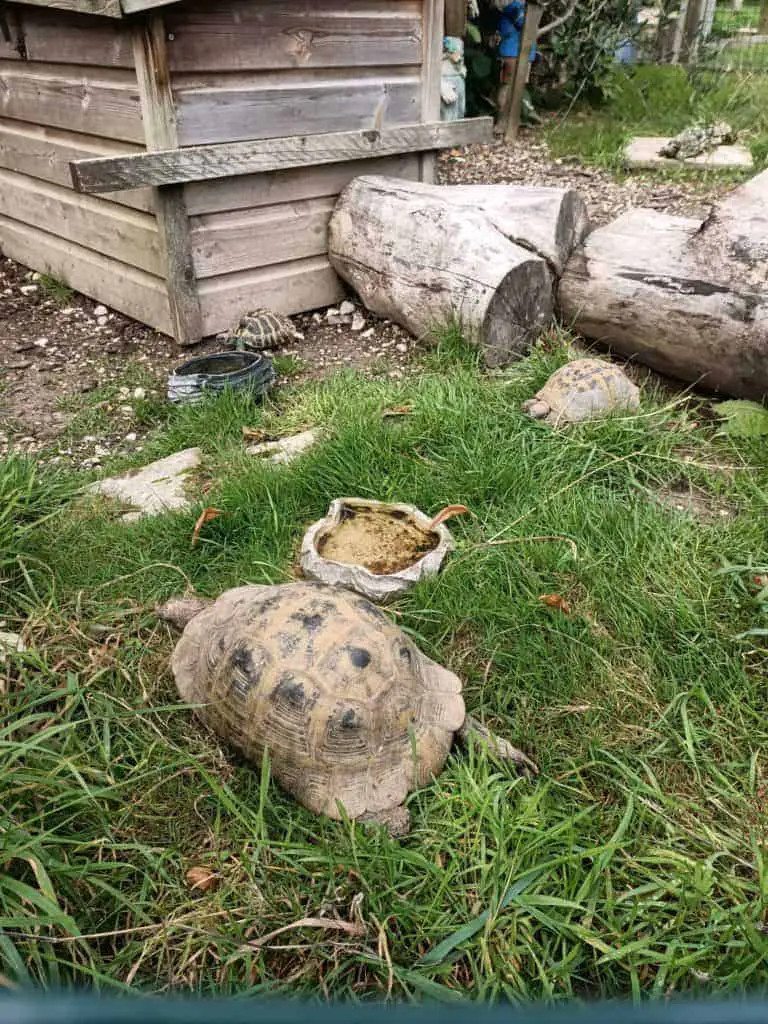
158,487
642,153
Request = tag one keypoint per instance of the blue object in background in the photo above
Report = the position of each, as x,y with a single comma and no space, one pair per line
626,52
510,27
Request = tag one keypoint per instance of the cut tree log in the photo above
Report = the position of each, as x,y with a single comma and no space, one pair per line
743,217
425,256
682,295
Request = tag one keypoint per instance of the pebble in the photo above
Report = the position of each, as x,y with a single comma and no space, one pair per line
100,311
402,347
28,289
139,394
347,308
103,320
358,322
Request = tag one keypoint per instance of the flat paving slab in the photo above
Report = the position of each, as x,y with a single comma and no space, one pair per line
157,488
642,153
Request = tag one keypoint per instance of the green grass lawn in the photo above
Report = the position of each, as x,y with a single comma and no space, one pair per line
652,100
636,864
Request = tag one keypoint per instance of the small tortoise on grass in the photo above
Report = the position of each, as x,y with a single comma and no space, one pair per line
352,714
259,330
582,390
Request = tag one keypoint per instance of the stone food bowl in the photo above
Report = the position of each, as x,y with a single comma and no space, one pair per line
377,549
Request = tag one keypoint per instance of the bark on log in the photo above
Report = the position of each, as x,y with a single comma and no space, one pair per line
424,255
679,294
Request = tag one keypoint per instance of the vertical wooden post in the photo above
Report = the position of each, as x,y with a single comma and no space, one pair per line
433,28
510,116
158,111
693,23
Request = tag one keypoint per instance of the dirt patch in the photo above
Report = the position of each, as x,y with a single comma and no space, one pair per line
685,497
383,542
61,353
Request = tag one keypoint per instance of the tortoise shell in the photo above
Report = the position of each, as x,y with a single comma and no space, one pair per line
349,710
582,390
261,329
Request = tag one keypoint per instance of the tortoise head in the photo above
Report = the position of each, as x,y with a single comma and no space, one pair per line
179,611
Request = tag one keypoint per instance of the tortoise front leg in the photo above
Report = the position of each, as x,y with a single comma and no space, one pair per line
478,734
396,820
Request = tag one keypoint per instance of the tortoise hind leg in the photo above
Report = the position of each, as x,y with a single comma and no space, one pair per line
478,734
396,820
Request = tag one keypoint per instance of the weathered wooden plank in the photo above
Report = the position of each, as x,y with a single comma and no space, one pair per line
113,230
431,70
159,117
238,35
51,36
132,291
204,163
249,107
105,8
94,101
248,191
134,6
287,288
46,153
224,243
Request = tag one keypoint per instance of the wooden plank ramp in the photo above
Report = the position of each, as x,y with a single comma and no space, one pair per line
203,163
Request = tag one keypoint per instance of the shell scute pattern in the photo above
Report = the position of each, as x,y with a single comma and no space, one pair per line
259,330
337,694
581,390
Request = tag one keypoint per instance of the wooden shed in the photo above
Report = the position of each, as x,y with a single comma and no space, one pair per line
178,160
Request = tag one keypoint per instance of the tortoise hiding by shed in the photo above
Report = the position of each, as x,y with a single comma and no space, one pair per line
352,714
581,390
261,329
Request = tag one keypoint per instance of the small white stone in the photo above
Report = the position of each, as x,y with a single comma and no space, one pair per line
100,311
36,276
402,347
100,450
102,321
139,394
130,438
42,343
332,313
358,322
347,308
369,333
126,410
28,289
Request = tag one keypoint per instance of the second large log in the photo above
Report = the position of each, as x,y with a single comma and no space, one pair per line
425,256
688,297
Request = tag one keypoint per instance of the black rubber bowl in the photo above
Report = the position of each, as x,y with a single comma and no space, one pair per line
238,371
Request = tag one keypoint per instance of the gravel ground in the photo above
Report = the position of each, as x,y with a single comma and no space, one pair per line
61,353
528,163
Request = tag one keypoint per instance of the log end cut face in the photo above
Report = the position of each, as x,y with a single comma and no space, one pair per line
582,390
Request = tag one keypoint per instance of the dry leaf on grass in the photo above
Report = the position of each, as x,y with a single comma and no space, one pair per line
202,879
254,434
556,601
327,924
448,513
206,516
397,410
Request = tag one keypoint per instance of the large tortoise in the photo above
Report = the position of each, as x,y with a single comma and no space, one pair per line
351,713
581,390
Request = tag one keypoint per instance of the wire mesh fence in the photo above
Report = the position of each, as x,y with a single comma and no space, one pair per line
723,35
